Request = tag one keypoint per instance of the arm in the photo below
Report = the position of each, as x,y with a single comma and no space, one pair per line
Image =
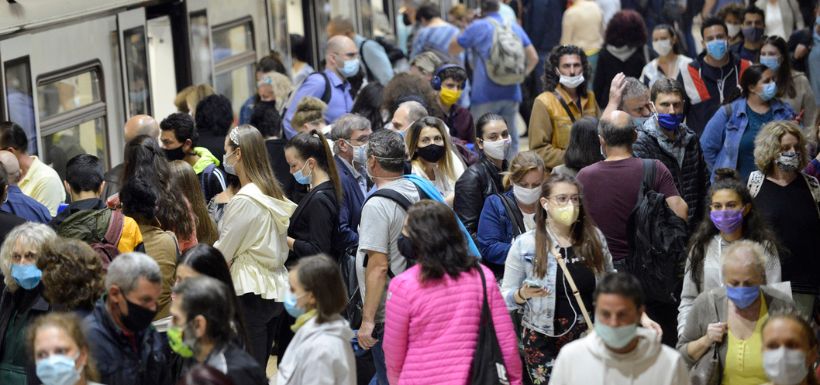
312,86
532,58
454,49
375,276
378,62
504,330
467,202
166,258
465,40
711,141
665,184
514,275
698,335
541,131
678,206
396,325
493,241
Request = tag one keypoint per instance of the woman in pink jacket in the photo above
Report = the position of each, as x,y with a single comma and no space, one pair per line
433,308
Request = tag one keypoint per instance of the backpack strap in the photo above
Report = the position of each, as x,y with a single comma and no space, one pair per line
328,94
648,180
515,215
115,227
755,182
393,195
565,105
367,71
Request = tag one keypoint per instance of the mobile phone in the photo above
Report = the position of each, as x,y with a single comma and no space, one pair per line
536,284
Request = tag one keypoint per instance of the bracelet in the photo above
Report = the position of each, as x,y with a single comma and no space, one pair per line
521,296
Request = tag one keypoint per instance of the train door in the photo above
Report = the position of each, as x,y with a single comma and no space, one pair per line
136,79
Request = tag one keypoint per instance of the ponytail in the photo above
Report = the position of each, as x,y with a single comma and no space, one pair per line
313,144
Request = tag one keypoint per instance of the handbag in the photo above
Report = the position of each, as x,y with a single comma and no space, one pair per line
488,362
708,371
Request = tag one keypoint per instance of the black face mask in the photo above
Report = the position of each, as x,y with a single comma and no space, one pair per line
174,154
432,153
406,248
406,19
138,318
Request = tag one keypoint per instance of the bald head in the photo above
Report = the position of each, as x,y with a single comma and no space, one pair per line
141,125
617,129
11,165
340,49
406,114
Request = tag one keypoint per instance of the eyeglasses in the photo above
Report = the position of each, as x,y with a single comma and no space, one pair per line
727,206
564,199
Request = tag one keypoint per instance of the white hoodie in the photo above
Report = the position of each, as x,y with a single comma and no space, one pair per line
319,354
588,361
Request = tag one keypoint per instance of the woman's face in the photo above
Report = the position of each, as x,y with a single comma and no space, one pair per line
53,340
304,299
770,50
562,194
532,179
231,155
786,333
493,130
789,142
662,34
295,161
727,199
766,78
24,253
184,272
428,136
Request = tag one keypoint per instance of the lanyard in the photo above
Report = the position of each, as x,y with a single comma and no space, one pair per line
721,83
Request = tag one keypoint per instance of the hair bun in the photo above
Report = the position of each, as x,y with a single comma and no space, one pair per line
722,174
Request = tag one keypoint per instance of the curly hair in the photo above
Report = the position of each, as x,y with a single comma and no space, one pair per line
767,144
626,28
72,274
551,77
32,234
404,85
214,115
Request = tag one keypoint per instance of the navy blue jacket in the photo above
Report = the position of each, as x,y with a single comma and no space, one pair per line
495,230
350,212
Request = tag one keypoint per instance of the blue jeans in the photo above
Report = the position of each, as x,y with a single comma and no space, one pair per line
507,109
378,357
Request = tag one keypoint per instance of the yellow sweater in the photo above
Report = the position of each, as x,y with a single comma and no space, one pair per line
550,125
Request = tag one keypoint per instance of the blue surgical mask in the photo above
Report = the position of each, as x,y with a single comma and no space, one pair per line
743,296
616,337
716,48
229,168
359,155
773,62
350,68
300,176
291,305
639,121
769,91
26,276
670,122
57,369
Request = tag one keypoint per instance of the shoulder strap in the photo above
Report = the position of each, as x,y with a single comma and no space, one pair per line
514,215
368,73
755,182
115,227
575,292
564,104
648,180
328,94
393,195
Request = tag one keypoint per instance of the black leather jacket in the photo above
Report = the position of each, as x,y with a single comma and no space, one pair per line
475,185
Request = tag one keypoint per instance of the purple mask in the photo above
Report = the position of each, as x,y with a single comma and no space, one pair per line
727,221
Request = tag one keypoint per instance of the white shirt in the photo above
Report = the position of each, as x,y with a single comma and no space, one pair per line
774,20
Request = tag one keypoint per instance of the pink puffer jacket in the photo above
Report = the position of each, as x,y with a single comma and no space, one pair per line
431,328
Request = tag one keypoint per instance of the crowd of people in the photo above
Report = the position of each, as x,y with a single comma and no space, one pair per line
360,223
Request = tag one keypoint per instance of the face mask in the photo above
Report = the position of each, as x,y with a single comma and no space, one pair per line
26,276
743,296
406,248
138,318
616,337
565,215
432,153
769,91
733,29
176,340
229,168
359,153
291,305
785,366
571,82
639,121
449,96
670,122
788,161
727,221
662,47
175,154
350,68
58,369
716,49
773,62
300,177
525,195
752,34
497,149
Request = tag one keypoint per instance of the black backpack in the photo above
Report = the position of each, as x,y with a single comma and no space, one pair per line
657,242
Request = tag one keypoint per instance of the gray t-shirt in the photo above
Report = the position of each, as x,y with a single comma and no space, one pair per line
379,230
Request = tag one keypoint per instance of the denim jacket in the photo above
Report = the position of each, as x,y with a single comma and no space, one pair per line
538,312
721,137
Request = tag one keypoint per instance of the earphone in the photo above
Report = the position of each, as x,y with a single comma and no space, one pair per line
436,80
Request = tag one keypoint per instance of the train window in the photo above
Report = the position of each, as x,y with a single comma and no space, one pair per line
200,48
72,115
234,61
20,99
136,67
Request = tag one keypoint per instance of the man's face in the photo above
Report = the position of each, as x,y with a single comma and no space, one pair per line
145,295
452,84
715,32
753,20
669,103
638,106
168,141
616,310
399,120
570,65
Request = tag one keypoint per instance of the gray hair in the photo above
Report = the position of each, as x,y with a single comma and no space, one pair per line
126,270
415,111
29,233
634,89
748,253
344,126
387,146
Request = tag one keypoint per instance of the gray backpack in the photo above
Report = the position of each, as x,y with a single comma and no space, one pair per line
506,63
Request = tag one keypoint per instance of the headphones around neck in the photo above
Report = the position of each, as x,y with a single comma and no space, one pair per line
436,81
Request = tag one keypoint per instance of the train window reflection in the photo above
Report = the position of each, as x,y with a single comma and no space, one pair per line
136,67
234,61
236,85
20,99
232,41
68,94
200,48
85,138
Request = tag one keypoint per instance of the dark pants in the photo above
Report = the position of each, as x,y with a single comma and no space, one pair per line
666,315
261,316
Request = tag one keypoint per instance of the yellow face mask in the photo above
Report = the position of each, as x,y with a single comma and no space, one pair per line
449,96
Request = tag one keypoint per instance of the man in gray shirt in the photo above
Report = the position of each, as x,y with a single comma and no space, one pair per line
379,230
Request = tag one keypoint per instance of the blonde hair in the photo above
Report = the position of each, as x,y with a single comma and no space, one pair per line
71,325
308,110
34,234
187,99
767,144
446,164
520,166
184,179
255,161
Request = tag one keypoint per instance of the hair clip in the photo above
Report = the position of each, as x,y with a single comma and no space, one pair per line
234,135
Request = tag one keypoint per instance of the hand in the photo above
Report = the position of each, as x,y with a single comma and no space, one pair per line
527,292
366,340
801,51
616,88
648,323
291,241
715,332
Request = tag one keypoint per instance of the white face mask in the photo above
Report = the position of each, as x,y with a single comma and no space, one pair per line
785,366
662,47
733,29
571,82
497,149
525,195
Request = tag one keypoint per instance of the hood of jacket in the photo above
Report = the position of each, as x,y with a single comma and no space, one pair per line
280,209
205,159
337,327
629,364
